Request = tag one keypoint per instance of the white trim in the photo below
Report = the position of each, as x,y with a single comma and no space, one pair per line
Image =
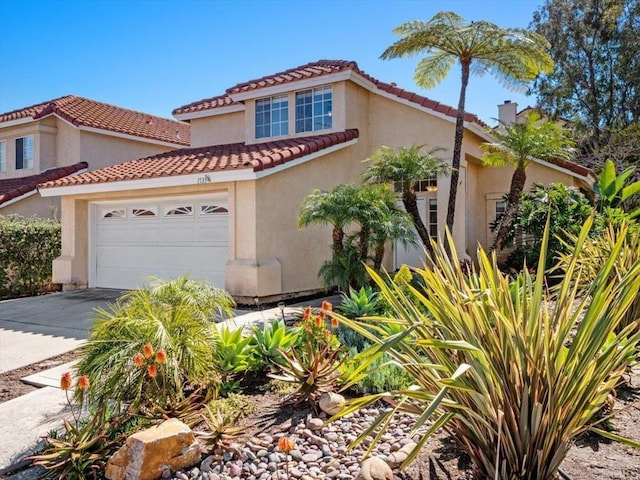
210,112
291,86
19,121
186,180
18,199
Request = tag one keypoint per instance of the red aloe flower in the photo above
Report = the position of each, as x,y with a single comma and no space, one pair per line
147,350
83,382
152,371
161,357
65,381
138,360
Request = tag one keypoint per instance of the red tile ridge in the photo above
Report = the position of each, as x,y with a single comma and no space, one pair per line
80,111
15,187
211,159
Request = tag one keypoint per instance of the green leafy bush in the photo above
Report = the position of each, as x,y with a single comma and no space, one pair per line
569,210
382,375
162,318
28,246
359,303
514,373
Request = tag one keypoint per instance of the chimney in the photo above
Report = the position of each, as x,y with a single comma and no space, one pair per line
507,112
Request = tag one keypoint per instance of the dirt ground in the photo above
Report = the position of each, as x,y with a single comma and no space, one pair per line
591,458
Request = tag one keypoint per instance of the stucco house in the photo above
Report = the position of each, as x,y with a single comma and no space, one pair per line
67,135
225,209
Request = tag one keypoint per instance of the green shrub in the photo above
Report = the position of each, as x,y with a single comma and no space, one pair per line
28,246
162,319
382,375
568,210
515,374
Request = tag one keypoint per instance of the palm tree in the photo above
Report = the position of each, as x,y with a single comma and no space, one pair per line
334,208
514,55
518,144
405,168
383,221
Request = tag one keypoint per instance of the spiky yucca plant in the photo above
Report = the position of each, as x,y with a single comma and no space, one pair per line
513,376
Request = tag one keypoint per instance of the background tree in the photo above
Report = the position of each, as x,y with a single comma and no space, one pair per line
514,55
405,168
596,82
518,144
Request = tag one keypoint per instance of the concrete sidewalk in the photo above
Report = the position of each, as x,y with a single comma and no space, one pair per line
25,419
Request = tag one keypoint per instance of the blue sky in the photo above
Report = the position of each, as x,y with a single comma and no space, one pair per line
156,55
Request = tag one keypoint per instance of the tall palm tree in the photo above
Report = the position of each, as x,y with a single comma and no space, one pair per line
405,168
518,144
514,55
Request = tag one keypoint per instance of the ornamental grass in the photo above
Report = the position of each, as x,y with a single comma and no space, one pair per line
514,372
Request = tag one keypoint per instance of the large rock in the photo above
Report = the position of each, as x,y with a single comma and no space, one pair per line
331,403
168,446
375,468
396,458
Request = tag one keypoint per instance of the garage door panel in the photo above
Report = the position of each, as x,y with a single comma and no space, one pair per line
129,249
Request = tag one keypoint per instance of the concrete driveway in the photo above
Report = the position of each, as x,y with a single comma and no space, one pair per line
33,329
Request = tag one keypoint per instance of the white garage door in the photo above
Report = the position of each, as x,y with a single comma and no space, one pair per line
134,240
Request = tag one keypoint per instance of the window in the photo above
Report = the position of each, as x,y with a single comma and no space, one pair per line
272,116
24,152
117,213
3,155
179,211
212,210
433,218
144,212
313,110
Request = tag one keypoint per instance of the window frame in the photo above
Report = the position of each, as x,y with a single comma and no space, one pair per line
24,162
312,106
281,102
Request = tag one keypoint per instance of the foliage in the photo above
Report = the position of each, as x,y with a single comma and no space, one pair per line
514,378
363,218
28,246
514,55
345,269
594,253
595,83
81,451
270,340
613,190
405,168
383,375
210,302
233,352
233,404
222,430
143,317
568,208
359,303
518,144
314,363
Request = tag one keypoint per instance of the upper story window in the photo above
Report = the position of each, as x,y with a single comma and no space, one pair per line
24,152
272,116
314,109
3,155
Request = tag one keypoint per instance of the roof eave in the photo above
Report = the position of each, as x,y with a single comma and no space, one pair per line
209,112
187,180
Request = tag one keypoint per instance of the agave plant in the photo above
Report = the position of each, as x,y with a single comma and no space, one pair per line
513,373
359,303
80,452
270,340
222,430
315,370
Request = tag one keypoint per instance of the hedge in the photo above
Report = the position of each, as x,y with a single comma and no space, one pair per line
28,246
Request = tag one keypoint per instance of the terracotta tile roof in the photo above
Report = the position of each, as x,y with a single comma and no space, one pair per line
216,158
16,187
318,69
89,113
